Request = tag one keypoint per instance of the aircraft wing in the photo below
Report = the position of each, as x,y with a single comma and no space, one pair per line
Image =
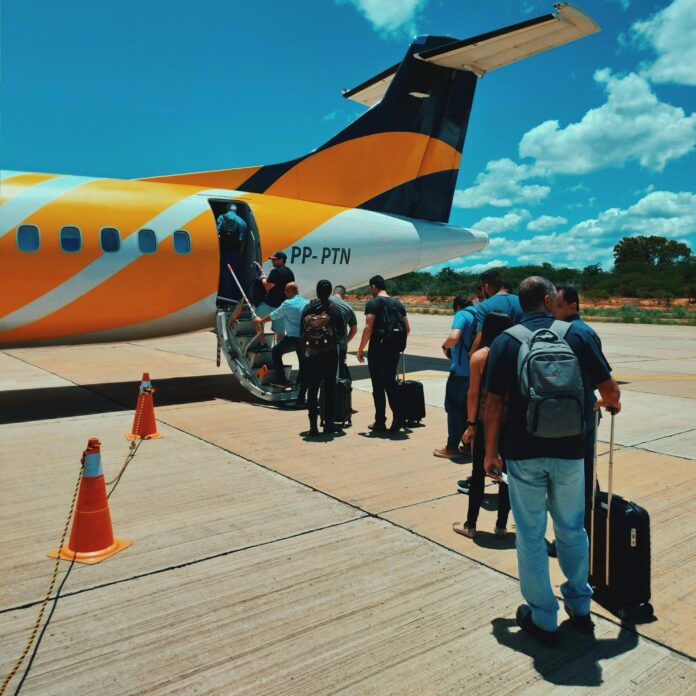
486,52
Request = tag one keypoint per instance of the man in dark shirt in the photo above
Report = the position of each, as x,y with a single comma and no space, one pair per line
383,354
544,473
568,309
322,365
274,284
338,298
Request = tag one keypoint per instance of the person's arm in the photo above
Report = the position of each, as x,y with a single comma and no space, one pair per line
453,338
352,330
610,396
407,325
263,278
476,364
475,345
493,464
367,332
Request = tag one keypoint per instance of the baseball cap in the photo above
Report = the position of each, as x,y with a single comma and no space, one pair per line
279,255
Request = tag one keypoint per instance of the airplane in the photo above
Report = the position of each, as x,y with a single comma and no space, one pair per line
102,260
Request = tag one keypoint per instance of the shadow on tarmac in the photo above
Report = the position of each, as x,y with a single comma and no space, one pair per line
576,661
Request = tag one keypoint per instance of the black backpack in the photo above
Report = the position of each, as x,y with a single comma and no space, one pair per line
392,330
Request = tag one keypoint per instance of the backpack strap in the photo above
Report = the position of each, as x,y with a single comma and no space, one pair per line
467,347
560,328
519,333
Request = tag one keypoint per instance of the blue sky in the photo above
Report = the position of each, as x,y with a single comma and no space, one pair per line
566,152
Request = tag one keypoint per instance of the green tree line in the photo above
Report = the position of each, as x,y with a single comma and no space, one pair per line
644,267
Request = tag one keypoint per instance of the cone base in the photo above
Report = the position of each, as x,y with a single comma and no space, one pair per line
135,436
65,553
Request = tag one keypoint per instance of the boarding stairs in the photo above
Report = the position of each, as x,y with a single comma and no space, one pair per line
236,335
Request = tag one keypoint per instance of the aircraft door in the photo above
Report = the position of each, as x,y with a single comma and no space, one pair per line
239,246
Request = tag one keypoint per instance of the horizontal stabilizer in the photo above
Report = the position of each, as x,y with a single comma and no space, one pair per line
486,52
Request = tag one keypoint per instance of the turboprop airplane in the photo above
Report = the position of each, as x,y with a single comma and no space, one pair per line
100,260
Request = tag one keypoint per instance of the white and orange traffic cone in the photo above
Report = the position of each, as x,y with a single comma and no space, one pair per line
144,425
91,537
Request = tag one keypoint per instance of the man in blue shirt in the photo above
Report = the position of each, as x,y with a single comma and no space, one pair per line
290,310
544,473
232,233
498,299
457,346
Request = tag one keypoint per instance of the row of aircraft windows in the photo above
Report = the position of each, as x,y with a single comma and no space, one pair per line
29,239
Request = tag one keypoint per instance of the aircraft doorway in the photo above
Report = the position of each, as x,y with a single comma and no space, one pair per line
237,247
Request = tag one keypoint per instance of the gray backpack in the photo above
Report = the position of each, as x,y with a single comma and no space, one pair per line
550,381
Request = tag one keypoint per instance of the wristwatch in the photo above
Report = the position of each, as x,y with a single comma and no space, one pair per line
471,424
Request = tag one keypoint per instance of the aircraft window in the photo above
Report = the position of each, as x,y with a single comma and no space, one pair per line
110,239
70,239
28,237
147,242
182,242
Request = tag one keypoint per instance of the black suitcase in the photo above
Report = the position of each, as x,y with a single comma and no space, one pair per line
343,402
620,579
411,397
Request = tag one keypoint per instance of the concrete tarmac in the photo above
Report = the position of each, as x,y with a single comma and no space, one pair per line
265,563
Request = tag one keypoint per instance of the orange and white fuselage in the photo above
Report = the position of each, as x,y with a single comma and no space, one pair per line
50,296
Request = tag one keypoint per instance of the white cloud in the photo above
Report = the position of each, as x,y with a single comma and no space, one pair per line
500,186
504,223
546,222
389,15
481,267
633,124
671,33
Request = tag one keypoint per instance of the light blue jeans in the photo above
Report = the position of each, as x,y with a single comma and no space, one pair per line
557,486
263,310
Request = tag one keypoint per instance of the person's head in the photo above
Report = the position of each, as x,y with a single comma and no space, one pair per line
479,293
324,289
491,282
232,207
341,291
493,325
460,302
279,258
567,302
291,290
507,286
537,294
377,285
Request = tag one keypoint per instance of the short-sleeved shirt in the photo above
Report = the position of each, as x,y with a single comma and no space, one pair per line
590,397
502,302
231,224
338,324
465,321
348,316
280,276
502,379
376,306
291,310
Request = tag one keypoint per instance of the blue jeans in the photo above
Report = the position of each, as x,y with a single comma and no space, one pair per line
456,392
557,486
263,310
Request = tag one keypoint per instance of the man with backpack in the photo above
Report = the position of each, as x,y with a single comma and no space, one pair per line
232,234
541,365
323,328
386,329
456,347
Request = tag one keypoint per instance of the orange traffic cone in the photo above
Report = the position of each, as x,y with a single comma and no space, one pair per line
144,426
91,538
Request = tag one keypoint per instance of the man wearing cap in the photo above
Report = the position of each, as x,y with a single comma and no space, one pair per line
274,284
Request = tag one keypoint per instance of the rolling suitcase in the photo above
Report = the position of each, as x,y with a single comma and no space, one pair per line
343,401
411,397
619,532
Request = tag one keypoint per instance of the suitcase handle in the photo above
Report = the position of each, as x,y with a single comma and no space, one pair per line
609,494
403,365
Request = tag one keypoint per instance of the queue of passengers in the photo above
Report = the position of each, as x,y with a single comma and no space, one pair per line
540,454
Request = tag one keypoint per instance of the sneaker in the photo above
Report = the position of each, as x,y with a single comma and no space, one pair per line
582,623
397,423
281,384
463,485
500,532
378,427
259,348
523,618
467,530
445,453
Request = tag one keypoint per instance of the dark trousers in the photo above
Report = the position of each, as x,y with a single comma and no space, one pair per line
456,392
321,367
478,482
286,345
383,364
343,371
